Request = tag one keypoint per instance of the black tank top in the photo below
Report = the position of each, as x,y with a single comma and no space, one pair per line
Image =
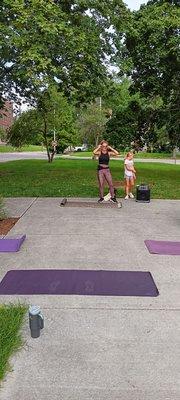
104,159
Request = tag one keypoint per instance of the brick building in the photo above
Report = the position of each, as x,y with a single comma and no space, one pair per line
6,116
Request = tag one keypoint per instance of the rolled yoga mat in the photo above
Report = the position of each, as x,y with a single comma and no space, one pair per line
63,202
163,247
79,282
11,245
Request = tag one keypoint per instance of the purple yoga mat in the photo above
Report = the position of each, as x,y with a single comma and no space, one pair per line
160,247
79,282
11,245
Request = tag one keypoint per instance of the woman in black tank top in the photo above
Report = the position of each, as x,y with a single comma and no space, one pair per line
104,151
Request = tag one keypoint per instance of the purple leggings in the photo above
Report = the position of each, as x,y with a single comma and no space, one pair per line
104,174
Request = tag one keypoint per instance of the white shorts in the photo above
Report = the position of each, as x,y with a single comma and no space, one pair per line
129,177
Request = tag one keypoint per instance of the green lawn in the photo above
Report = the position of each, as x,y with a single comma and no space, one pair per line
68,178
10,149
137,155
11,320
155,155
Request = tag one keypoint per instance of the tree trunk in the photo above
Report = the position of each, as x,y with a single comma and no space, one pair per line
97,140
174,154
46,141
52,155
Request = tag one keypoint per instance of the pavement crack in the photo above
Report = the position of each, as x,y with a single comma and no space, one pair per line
33,201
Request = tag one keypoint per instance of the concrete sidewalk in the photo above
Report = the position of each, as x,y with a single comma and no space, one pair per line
42,155
98,348
136,160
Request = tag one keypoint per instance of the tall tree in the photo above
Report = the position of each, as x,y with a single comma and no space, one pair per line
68,41
152,44
117,94
53,113
91,122
151,56
122,128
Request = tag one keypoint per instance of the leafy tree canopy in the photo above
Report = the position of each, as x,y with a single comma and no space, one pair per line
53,113
151,57
67,41
91,122
152,45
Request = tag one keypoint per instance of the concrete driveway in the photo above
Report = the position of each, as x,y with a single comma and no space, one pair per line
93,347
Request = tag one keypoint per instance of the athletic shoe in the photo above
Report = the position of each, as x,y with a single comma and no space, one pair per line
101,200
131,196
127,197
107,197
113,200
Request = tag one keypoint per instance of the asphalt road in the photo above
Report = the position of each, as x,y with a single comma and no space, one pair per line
4,157
22,156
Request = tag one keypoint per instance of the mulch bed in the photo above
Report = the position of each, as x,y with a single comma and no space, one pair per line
6,225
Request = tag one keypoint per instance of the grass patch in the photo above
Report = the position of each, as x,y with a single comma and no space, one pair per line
155,155
11,320
82,153
2,212
78,178
10,149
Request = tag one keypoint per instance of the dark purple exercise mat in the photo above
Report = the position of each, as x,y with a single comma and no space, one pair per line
78,282
11,245
163,247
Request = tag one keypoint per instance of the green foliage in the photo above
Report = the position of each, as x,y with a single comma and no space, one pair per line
25,129
66,41
173,120
138,121
2,134
11,319
117,96
162,137
56,115
151,52
52,113
122,128
152,42
73,44
91,123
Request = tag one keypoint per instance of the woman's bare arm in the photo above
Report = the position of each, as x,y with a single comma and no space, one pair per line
97,150
112,151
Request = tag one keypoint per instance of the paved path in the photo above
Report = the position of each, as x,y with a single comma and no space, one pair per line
98,348
146,160
42,155
29,155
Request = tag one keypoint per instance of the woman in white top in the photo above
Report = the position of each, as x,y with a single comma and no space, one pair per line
129,175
